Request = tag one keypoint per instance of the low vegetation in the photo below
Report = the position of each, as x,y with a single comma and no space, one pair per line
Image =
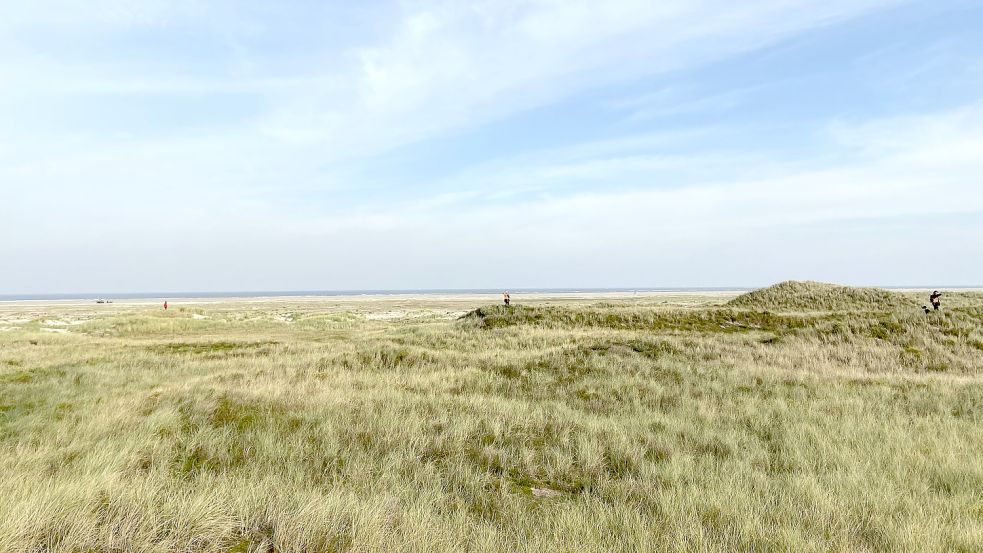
831,419
818,296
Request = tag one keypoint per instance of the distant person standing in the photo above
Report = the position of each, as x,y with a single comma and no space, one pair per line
165,305
936,299
506,298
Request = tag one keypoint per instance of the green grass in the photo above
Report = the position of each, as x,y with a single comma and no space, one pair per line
582,427
818,296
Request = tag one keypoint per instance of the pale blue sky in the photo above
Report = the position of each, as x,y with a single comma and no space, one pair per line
297,145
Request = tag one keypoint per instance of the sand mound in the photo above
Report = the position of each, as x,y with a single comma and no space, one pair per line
817,296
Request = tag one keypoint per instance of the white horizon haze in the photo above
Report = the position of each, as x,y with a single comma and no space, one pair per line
211,145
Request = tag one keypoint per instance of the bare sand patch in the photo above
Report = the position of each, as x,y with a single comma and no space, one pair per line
386,315
56,322
16,321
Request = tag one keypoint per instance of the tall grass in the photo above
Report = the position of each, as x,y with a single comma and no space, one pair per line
627,426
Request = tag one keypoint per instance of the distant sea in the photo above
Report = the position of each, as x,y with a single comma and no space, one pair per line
326,293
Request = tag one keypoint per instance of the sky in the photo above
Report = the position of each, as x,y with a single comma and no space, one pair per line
232,145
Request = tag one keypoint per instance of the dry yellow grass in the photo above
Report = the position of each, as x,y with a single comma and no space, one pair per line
627,424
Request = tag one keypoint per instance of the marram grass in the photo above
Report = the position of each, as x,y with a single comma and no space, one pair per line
627,426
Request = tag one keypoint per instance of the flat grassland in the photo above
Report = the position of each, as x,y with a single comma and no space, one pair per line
801,418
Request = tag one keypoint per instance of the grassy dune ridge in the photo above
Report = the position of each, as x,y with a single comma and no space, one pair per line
813,296
633,424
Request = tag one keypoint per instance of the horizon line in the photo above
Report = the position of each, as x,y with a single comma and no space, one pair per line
403,291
